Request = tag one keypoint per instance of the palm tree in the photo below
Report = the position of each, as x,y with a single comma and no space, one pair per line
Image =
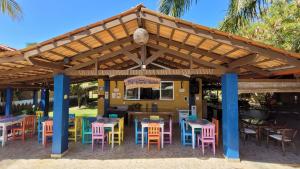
10,7
239,13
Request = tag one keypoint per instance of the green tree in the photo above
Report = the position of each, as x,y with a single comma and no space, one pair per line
239,13
279,26
10,7
77,89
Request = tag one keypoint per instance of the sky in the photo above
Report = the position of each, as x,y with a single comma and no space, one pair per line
44,19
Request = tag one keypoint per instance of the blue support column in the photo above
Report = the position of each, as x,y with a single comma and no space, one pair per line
8,101
44,103
60,115
106,97
35,98
230,116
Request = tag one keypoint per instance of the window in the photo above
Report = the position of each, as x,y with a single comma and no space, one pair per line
132,94
166,92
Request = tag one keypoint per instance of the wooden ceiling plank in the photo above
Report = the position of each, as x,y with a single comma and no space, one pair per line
123,26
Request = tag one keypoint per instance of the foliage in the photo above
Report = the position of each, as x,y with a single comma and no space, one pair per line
175,8
10,7
279,26
77,89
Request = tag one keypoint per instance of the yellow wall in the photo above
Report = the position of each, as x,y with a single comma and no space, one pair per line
179,101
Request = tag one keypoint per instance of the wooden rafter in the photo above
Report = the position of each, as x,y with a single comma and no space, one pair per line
11,59
48,65
154,56
247,60
133,57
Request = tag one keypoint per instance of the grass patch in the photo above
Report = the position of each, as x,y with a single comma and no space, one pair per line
81,112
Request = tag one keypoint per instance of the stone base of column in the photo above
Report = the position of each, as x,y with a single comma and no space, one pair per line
59,155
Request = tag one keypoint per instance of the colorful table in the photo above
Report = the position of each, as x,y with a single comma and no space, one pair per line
145,122
109,123
10,121
197,124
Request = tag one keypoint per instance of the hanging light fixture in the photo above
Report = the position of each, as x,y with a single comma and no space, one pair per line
142,81
140,36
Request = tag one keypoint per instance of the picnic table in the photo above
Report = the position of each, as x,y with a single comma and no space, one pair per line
145,123
197,124
5,123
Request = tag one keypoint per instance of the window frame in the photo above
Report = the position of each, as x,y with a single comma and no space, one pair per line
139,94
160,89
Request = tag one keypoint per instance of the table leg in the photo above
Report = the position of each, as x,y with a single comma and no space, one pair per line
3,135
193,137
143,128
162,137
112,137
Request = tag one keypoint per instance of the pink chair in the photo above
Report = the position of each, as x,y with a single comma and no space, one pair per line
207,137
98,133
168,131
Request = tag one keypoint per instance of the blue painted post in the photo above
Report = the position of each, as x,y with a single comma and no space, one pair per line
8,101
230,116
106,97
60,115
44,103
34,98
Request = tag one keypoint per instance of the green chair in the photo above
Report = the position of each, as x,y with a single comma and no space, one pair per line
113,115
87,129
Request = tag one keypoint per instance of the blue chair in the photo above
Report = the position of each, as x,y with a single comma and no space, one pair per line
138,133
87,129
186,134
40,128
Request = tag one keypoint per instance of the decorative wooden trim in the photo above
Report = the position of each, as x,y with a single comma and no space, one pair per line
145,72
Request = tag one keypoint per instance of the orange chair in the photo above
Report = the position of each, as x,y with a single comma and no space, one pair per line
47,131
154,135
27,125
216,123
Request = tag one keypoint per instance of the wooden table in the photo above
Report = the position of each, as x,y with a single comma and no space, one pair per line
4,123
198,124
145,123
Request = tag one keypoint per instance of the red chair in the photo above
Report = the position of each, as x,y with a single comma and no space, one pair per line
98,133
207,137
26,126
47,131
154,135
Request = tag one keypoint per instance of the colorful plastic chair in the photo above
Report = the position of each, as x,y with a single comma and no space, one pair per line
138,133
154,117
207,137
186,134
192,117
216,123
26,126
118,132
40,129
154,135
87,129
113,115
47,131
168,132
98,133
75,130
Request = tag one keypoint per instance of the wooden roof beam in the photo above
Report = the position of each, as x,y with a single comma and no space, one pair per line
154,56
247,60
184,56
133,57
48,65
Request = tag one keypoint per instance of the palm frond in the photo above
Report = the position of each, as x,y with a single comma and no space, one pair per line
242,12
11,7
175,8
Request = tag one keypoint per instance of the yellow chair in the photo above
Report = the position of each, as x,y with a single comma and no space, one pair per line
118,132
154,117
39,114
75,130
